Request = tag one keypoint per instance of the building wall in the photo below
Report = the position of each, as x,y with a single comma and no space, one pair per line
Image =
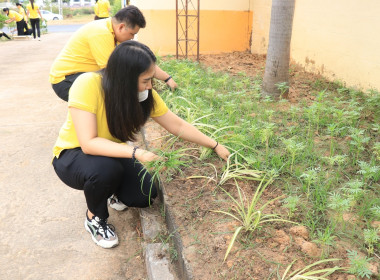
224,27
338,39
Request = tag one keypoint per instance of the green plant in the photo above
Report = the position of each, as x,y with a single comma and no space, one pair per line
248,213
239,171
376,150
169,163
291,203
375,211
369,171
309,273
265,134
283,88
359,265
354,189
293,148
339,204
326,238
358,140
371,237
310,177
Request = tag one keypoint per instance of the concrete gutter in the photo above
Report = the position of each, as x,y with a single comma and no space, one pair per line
156,254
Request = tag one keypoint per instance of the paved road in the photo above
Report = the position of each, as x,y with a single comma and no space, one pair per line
41,233
55,28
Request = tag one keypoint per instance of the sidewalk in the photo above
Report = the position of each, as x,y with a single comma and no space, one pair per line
42,234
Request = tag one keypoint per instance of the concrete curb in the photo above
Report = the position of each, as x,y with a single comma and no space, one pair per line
183,267
150,228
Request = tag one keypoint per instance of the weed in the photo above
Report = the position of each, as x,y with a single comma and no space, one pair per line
291,203
369,171
371,237
248,213
359,265
308,272
293,148
339,204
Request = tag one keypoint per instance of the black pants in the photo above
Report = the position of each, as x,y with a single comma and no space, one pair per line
20,27
100,177
35,22
62,88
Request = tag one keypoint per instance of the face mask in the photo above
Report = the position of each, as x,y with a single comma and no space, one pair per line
143,95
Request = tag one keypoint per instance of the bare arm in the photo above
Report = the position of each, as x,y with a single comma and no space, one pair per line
86,129
179,127
162,75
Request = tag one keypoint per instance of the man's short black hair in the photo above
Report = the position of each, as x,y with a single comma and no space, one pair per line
131,16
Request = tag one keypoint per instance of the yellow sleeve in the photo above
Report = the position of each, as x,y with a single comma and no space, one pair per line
160,107
84,92
101,48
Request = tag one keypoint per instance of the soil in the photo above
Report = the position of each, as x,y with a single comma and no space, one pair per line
265,253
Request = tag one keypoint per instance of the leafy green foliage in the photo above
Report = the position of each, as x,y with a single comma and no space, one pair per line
359,265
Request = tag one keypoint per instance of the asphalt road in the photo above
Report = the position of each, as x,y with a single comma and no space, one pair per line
54,28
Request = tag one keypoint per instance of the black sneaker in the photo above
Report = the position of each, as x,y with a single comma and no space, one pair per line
102,234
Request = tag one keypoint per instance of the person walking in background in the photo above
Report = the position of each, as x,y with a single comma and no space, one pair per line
19,19
5,35
89,48
96,10
104,9
22,11
34,14
106,109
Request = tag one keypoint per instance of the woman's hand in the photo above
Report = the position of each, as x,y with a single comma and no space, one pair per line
172,84
222,152
144,156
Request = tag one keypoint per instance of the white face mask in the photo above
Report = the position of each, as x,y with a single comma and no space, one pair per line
143,95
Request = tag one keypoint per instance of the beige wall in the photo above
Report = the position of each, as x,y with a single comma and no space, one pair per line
225,25
339,39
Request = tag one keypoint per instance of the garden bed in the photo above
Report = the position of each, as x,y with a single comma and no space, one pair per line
318,144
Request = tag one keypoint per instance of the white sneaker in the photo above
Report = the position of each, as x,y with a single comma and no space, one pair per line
116,204
39,39
102,234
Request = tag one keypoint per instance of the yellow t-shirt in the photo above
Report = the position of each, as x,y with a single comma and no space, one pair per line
103,8
15,15
33,12
86,94
87,50
21,11
96,9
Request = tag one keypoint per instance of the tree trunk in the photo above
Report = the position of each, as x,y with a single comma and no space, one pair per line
278,55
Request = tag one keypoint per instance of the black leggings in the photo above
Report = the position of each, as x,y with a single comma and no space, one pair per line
35,22
20,27
100,177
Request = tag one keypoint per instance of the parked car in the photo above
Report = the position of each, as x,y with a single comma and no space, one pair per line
50,16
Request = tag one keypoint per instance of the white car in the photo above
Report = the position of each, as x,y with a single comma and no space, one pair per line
50,16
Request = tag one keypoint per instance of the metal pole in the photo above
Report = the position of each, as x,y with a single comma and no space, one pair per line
187,20
198,37
176,28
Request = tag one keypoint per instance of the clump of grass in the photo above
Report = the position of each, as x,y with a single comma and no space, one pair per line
248,212
309,272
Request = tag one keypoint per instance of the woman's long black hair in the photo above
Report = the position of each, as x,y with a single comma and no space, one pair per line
32,3
125,114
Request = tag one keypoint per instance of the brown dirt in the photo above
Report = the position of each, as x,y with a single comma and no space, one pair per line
265,253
